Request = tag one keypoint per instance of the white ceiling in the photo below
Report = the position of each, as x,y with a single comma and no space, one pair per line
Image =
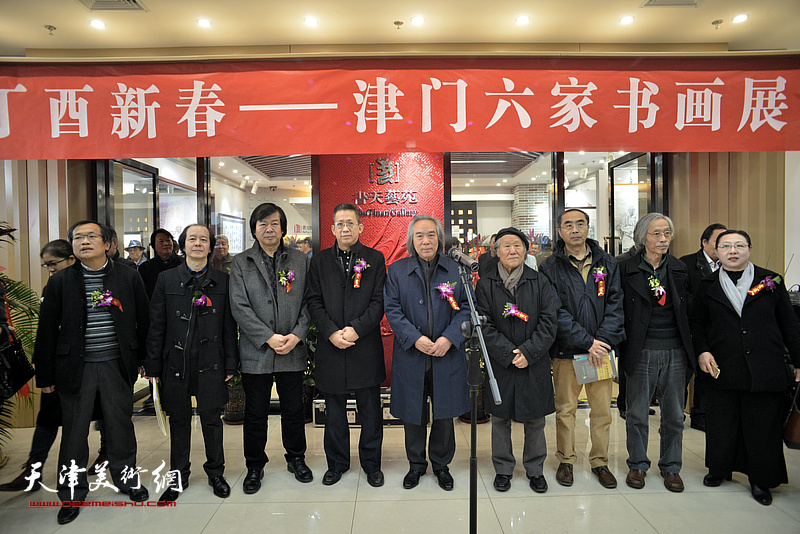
772,24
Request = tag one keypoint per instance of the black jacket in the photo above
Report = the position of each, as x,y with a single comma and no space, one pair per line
749,350
584,315
61,333
639,304
697,268
178,327
527,393
155,266
334,303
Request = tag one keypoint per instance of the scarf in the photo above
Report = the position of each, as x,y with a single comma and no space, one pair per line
737,293
510,280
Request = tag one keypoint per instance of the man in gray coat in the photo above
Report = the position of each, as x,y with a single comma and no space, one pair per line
267,284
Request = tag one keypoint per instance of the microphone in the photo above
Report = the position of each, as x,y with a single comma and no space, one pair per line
462,259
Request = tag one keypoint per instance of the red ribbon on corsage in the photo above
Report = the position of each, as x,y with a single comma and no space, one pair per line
511,310
446,292
600,274
358,268
200,300
285,277
768,283
658,290
104,298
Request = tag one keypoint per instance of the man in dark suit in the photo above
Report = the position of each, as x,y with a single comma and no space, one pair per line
165,258
699,265
345,298
90,343
488,260
192,350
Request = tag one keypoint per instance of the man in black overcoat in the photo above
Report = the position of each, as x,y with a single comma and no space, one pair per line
345,298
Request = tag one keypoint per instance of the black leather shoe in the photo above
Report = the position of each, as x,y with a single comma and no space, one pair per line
138,494
411,480
445,479
539,484
301,471
67,514
711,481
220,486
331,477
761,495
252,481
375,479
170,495
502,482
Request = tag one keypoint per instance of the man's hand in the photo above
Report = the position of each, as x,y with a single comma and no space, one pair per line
153,379
519,360
441,347
597,352
349,334
290,341
275,341
797,375
339,341
707,363
424,345
228,377
48,389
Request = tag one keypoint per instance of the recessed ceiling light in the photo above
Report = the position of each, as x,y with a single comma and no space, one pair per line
472,181
581,152
466,185
235,171
575,173
221,163
544,173
204,23
621,152
417,21
522,19
498,185
311,21
566,161
246,176
305,183
739,18
627,19
98,24
504,181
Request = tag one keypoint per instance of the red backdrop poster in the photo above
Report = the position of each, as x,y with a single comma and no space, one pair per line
389,190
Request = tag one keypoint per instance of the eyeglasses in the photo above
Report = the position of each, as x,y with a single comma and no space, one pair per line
77,238
658,235
735,246
53,264
580,225
350,225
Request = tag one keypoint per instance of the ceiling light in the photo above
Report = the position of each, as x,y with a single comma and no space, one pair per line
98,24
472,181
417,21
466,185
481,161
504,181
627,19
544,173
581,152
522,19
575,173
566,161
243,184
311,21
739,18
498,185
255,188
235,171
621,152
305,183
221,163
204,23
246,176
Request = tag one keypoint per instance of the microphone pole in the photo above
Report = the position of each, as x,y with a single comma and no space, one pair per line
472,331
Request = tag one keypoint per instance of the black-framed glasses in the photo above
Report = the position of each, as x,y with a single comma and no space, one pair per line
53,264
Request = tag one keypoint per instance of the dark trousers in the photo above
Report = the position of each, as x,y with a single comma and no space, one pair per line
698,411
441,442
257,390
180,440
337,430
106,381
744,432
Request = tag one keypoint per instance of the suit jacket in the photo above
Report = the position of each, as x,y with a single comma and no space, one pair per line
177,327
639,303
260,315
527,393
407,311
334,303
748,349
150,270
60,336
697,268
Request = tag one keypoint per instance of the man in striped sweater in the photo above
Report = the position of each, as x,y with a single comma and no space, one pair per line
90,343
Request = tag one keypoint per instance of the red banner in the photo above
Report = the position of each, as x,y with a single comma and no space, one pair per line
399,105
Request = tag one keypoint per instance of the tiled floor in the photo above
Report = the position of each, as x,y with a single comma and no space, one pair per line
284,505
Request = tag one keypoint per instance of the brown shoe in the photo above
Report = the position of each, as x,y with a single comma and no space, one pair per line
672,481
564,474
607,480
635,478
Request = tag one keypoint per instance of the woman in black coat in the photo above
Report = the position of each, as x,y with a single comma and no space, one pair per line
741,321
520,306
192,349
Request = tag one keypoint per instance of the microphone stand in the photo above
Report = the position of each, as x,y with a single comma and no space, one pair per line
472,331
